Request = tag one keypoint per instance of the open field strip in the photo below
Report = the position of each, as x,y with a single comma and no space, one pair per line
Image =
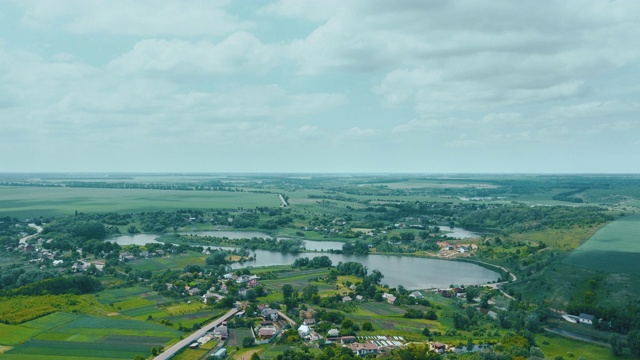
615,248
25,202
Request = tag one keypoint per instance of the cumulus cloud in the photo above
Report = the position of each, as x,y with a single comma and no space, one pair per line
240,51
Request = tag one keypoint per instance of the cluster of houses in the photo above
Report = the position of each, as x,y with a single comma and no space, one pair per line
128,256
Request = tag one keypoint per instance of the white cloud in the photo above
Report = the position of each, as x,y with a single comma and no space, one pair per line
239,52
360,132
144,17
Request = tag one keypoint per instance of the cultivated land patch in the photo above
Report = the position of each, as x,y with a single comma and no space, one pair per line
85,337
615,248
26,202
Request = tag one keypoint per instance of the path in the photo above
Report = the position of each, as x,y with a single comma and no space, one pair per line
497,285
288,319
29,237
284,202
167,354
576,336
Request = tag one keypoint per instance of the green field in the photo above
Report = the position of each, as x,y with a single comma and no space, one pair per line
89,337
25,202
615,248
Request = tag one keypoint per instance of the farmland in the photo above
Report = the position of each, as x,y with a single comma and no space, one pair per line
25,202
615,248
81,336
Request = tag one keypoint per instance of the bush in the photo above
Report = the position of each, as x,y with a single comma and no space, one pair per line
248,341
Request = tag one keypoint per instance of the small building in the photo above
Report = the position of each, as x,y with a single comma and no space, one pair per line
416,295
271,314
304,330
309,322
266,332
363,349
438,347
333,333
219,354
586,318
346,298
391,299
348,339
221,331
194,291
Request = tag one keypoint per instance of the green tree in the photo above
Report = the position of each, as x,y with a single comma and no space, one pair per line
255,356
633,342
471,293
367,326
617,344
248,341
287,291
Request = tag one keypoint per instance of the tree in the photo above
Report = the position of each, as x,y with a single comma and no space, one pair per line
287,291
154,352
617,345
633,342
367,326
255,356
248,341
471,293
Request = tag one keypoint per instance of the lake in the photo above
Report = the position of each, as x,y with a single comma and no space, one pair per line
411,272
459,233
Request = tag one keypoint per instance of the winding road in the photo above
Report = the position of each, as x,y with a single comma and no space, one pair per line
29,237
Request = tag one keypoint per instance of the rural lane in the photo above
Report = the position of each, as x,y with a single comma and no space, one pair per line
167,354
24,239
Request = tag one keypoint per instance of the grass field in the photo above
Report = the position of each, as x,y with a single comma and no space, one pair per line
26,202
554,345
615,248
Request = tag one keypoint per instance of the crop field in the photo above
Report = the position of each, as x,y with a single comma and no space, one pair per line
297,279
76,336
236,336
381,308
173,262
615,248
25,202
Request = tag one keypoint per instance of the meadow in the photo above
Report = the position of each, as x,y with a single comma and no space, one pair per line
615,248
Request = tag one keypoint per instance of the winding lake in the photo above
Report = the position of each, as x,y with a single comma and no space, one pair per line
411,272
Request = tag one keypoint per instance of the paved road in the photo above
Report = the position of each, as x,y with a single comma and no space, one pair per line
193,337
284,202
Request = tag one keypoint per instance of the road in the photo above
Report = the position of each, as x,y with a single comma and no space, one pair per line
284,202
26,238
167,354
286,318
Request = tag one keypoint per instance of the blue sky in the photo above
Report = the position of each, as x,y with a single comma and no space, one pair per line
320,86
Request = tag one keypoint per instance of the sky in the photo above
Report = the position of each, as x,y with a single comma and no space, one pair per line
320,86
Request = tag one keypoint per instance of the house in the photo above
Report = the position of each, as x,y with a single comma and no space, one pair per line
346,298
271,314
309,322
209,297
194,291
348,339
221,331
391,299
438,347
353,287
363,349
586,318
266,332
304,330
359,298
333,333
416,295
57,262
313,336
144,254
